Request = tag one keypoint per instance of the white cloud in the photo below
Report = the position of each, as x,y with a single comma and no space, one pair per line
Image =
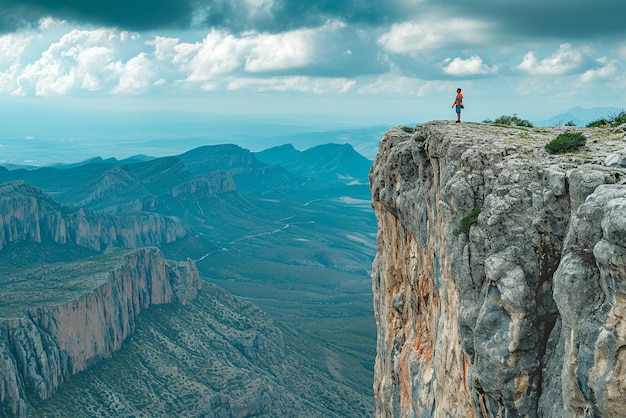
135,76
12,46
109,60
7,79
561,62
471,66
282,51
49,22
433,33
604,72
219,53
222,54
80,59
164,48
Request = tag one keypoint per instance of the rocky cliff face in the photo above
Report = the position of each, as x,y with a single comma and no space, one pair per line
29,214
59,319
521,315
42,346
207,185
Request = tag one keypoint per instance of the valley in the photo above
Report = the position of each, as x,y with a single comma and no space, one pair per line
297,248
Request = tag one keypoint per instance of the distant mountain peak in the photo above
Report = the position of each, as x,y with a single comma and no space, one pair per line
580,116
19,188
331,161
114,184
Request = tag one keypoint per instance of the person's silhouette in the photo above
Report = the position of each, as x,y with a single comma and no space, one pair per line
458,103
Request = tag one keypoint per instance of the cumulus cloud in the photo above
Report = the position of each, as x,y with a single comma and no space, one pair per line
468,67
81,59
433,33
135,76
358,46
12,46
607,70
109,60
437,88
7,79
219,53
278,52
222,53
561,62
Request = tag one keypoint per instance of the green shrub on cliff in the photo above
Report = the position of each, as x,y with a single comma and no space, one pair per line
469,220
510,120
568,141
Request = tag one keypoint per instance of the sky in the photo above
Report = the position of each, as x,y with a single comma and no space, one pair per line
77,68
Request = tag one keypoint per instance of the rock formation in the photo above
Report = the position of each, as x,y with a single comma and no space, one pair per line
44,344
115,190
29,214
209,184
520,311
58,319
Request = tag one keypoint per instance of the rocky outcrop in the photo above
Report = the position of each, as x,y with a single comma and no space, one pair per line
515,312
207,185
67,316
27,213
43,345
114,191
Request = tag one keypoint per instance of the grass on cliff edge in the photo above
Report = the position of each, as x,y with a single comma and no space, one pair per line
507,120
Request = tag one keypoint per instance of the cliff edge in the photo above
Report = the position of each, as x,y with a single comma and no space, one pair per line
78,313
520,313
59,318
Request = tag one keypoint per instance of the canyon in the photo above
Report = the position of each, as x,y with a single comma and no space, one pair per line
116,275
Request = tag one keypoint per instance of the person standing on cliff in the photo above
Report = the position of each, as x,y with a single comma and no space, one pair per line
458,103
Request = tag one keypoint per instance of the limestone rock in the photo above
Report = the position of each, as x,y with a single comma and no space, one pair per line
29,214
45,344
520,316
207,185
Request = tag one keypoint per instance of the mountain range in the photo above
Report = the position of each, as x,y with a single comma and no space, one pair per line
579,116
282,240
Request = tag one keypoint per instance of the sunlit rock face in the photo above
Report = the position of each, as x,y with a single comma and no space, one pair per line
51,338
518,312
28,214
43,346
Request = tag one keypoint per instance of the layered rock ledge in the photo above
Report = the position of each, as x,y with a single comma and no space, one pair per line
520,315
29,214
61,318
